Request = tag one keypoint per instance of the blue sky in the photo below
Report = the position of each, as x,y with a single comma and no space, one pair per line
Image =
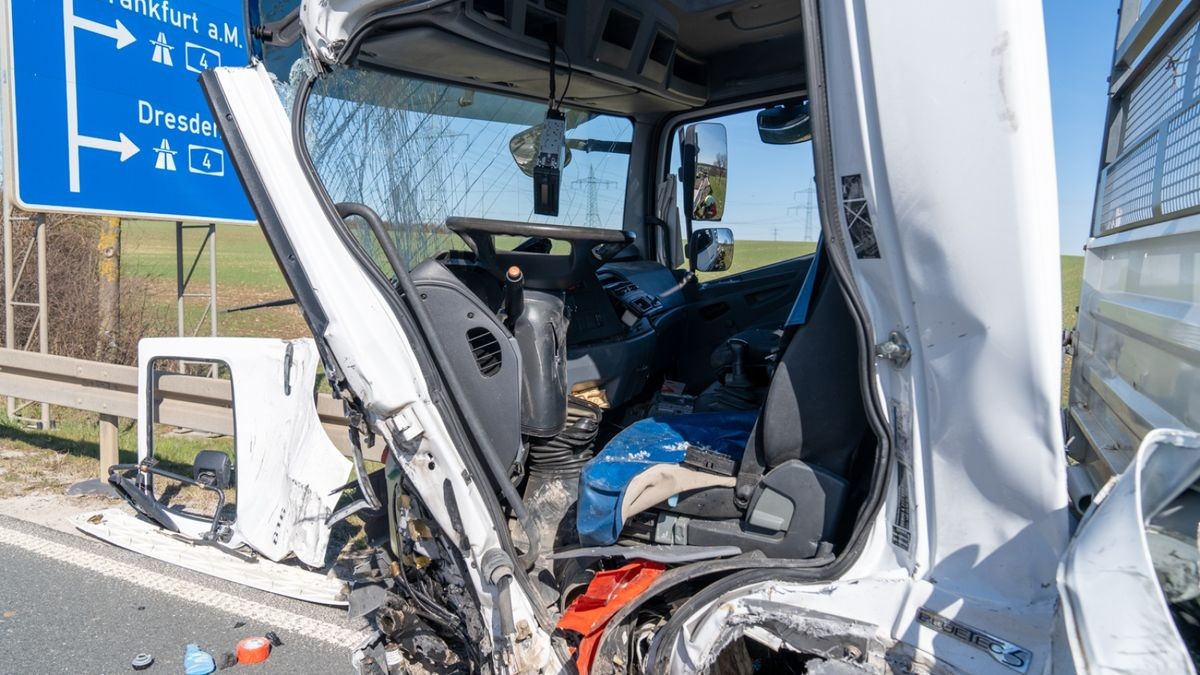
1079,37
768,204
1079,42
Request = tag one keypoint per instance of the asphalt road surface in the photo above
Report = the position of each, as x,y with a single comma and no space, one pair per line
74,605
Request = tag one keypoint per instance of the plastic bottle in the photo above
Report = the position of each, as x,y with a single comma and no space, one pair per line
196,661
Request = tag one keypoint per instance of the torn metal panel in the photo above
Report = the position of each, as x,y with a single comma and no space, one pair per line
365,339
287,469
1116,618
837,644
129,532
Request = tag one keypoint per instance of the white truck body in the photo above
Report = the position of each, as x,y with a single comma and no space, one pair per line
935,177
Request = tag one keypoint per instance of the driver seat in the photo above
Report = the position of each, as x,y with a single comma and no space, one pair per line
775,480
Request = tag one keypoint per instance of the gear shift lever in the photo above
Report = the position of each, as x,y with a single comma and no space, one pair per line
737,375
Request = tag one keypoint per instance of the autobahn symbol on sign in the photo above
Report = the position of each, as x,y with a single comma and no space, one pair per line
106,113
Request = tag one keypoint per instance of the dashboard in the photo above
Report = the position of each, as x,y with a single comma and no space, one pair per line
619,338
621,312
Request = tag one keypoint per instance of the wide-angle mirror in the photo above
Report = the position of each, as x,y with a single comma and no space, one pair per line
713,249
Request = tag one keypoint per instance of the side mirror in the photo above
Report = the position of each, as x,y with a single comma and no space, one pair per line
785,124
213,468
705,170
712,249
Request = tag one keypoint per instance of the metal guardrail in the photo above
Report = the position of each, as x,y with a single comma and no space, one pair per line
200,403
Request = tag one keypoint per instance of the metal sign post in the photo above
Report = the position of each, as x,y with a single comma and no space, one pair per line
18,287
182,280
107,114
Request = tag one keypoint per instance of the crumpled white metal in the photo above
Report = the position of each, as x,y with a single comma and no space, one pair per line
1116,616
285,465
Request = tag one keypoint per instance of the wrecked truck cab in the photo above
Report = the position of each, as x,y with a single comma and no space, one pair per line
597,456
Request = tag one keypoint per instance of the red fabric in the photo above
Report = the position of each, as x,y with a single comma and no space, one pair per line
589,614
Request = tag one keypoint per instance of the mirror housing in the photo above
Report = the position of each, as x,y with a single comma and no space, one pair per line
705,170
212,467
712,249
785,124
524,146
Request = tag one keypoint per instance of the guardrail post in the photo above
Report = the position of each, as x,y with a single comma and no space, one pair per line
109,450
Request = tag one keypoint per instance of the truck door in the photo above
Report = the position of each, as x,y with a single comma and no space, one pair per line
374,345
768,201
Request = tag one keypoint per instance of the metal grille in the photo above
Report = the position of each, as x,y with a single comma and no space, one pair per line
1161,93
1181,163
1156,174
1129,190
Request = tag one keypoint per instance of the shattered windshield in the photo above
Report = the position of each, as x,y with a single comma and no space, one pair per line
417,152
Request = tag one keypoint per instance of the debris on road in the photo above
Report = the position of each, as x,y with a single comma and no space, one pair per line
253,650
196,661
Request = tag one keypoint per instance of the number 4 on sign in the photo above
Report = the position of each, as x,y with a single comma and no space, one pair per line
200,59
205,160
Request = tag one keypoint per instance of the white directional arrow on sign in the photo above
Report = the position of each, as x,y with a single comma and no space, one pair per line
119,33
124,146
76,141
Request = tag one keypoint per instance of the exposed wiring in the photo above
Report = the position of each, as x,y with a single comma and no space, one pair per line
570,71
554,49
553,73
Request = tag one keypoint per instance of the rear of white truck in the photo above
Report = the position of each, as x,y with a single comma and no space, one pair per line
1136,348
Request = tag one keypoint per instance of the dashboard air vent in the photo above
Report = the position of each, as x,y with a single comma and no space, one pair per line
486,350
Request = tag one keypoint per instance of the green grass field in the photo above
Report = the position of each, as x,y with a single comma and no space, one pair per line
243,258
246,274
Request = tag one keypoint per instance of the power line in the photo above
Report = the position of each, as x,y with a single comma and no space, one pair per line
593,194
809,206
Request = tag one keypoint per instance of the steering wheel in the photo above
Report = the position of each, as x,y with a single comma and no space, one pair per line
590,248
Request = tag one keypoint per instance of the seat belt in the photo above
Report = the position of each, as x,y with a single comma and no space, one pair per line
801,308
752,468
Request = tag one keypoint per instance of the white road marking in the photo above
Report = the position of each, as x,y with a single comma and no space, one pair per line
282,620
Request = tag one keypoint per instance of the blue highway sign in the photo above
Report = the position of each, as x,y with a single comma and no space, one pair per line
107,112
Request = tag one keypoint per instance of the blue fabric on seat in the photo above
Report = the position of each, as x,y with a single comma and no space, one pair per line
655,440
